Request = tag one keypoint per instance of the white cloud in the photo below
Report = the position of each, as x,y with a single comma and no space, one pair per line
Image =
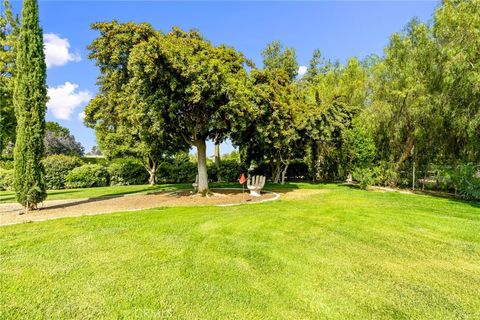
81,116
302,70
64,99
57,51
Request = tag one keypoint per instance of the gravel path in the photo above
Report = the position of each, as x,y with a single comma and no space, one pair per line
10,213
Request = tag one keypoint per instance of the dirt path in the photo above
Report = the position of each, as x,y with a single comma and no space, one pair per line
10,213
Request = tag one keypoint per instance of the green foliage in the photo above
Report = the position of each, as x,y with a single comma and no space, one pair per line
126,125
56,169
463,178
333,95
9,29
379,118
125,172
364,177
86,176
6,179
271,132
6,163
358,147
383,174
193,89
276,57
30,97
230,170
178,169
456,29
58,140
96,160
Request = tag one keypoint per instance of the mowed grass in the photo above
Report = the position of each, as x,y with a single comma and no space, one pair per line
80,193
339,253
9,196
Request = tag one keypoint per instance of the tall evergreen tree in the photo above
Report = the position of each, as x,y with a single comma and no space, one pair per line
30,98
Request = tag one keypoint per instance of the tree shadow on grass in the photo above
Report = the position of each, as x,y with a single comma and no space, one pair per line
450,197
435,194
74,203
7,199
113,193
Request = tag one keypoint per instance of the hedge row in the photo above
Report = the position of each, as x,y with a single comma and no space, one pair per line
62,171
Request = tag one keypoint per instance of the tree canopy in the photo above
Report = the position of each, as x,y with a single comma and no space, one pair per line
59,140
417,106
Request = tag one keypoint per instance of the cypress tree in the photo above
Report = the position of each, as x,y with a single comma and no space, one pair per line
30,98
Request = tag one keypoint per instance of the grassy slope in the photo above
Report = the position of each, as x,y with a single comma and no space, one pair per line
341,254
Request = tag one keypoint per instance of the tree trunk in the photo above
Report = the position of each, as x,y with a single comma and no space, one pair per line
152,179
413,169
151,167
284,172
276,172
217,161
413,176
406,152
314,160
202,166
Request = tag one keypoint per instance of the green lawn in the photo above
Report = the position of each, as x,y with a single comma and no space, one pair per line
9,196
339,254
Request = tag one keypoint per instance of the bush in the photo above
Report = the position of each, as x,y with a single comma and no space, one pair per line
364,177
6,163
125,172
6,179
56,169
230,170
95,160
86,176
177,169
379,175
466,180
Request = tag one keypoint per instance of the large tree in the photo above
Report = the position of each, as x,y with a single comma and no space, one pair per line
333,95
457,30
404,109
272,130
195,89
30,97
123,122
9,28
59,140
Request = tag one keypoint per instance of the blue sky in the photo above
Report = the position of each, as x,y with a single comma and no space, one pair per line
339,29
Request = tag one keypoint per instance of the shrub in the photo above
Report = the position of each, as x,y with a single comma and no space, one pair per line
95,160
6,163
88,175
127,172
177,169
230,170
380,175
56,169
6,179
466,180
